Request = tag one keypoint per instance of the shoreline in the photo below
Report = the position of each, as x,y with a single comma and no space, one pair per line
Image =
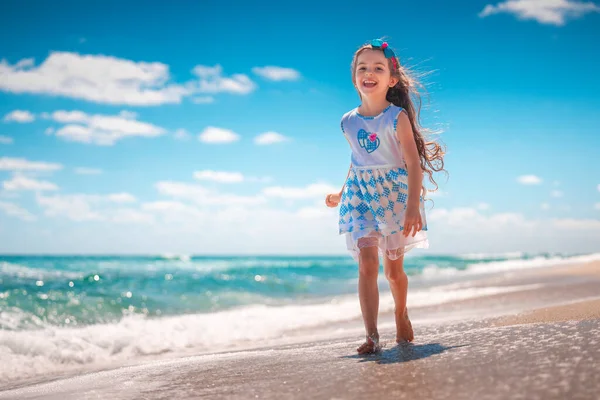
568,296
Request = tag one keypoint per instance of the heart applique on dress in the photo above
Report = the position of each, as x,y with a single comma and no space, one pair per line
368,140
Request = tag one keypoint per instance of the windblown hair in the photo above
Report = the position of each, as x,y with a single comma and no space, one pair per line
405,94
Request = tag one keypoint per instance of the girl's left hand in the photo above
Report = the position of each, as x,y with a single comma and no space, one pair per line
412,221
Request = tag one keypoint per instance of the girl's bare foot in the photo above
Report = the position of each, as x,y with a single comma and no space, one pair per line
404,330
371,345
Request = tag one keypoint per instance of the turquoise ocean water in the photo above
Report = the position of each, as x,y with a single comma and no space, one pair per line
60,313
79,290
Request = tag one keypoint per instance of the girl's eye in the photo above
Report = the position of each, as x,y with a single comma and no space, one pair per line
379,69
361,68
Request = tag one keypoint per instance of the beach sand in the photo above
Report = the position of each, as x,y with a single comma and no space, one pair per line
542,342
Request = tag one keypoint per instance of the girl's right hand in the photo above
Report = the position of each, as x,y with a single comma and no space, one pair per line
332,199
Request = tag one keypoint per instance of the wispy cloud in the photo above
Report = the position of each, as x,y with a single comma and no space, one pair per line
214,135
314,190
578,224
6,140
102,130
228,177
211,80
552,12
274,73
14,210
182,134
202,196
203,100
83,207
483,206
22,164
20,182
529,180
219,176
21,116
270,138
556,193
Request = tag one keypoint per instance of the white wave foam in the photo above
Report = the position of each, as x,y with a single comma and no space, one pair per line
537,262
30,353
500,256
173,256
433,271
21,271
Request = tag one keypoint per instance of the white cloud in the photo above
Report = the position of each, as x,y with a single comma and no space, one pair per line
483,206
121,198
14,210
556,193
21,164
202,196
203,100
256,179
126,216
529,180
112,80
181,190
83,207
277,73
6,140
471,218
545,206
577,224
182,134
174,211
20,182
103,130
211,80
314,190
201,219
21,116
215,135
66,117
597,206
270,138
598,187
552,12
508,231
87,171
219,176
96,78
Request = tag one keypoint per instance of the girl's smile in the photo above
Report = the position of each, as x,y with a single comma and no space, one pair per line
372,73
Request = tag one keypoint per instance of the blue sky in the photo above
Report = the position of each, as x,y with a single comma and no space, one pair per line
213,127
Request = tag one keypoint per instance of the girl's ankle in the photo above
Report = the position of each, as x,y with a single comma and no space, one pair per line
373,335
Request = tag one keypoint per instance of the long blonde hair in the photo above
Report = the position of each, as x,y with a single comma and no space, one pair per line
405,94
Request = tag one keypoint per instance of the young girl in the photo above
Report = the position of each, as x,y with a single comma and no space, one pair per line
381,207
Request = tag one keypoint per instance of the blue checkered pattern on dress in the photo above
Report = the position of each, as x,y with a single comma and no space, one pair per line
374,200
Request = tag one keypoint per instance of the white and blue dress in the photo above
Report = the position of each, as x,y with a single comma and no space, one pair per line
373,202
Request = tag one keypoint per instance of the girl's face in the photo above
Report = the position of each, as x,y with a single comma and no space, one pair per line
372,76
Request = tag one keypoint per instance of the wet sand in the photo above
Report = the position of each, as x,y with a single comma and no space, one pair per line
539,343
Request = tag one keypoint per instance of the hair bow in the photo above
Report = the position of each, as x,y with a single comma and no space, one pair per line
389,53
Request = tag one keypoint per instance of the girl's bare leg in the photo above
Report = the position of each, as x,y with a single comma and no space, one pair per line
368,293
394,272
